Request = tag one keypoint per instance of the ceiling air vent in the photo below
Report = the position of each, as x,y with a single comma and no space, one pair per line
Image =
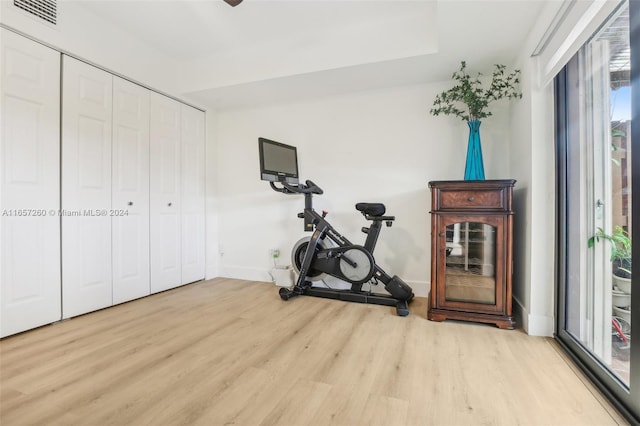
43,9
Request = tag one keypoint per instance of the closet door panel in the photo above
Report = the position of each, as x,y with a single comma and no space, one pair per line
193,194
165,223
29,184
130,197
86,188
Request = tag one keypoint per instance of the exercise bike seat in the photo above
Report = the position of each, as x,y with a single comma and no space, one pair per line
371,209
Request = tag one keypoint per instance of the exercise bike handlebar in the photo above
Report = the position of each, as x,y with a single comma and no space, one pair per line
307,188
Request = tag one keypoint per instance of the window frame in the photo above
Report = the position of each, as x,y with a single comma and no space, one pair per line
625,398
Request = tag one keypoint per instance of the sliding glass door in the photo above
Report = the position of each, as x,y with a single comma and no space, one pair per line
598,151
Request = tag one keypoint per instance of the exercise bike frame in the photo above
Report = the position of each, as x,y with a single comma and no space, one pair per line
327,260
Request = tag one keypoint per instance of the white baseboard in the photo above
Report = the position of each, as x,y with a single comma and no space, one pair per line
244,273
211,272
420,288
533,325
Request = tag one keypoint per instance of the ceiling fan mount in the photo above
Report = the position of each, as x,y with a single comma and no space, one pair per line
233,3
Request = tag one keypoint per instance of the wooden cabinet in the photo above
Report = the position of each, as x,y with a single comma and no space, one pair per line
471,251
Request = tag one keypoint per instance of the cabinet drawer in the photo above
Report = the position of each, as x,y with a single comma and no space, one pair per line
472,199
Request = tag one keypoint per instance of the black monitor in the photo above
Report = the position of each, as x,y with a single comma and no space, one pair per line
278,162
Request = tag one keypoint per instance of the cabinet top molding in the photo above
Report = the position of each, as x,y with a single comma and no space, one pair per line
489,196
490,183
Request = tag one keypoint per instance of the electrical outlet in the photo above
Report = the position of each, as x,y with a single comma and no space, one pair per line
275,253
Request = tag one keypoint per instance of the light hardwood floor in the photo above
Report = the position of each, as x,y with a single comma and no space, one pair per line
227,352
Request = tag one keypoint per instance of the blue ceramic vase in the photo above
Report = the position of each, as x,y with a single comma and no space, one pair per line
474,169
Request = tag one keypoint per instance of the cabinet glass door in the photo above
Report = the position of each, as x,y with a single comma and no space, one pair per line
470,271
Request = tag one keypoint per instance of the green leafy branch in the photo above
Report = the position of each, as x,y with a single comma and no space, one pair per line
620,246
469,100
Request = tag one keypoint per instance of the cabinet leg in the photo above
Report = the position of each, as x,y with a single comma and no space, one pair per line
508,324
435,317
505,322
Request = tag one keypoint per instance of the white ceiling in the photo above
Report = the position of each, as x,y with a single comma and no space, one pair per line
272,51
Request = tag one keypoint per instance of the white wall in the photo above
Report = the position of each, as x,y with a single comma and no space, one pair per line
298,38
376,146
91,38
533,165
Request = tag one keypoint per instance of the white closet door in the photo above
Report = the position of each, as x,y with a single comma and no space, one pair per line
86,188
166,271
130,197
193,194
29,184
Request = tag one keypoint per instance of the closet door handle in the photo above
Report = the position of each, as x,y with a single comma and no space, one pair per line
169,204
130,203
